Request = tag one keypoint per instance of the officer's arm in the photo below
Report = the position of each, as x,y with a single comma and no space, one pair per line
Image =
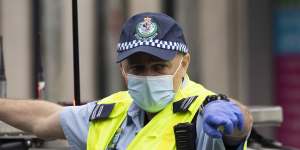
238,135
38,117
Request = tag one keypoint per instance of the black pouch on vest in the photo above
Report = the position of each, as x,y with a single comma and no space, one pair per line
185,136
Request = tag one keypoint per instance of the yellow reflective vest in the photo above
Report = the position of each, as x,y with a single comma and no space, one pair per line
156,134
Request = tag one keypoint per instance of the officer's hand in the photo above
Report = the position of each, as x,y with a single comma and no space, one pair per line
222,117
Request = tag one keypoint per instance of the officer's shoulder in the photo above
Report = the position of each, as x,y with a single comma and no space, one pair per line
121,96
105,106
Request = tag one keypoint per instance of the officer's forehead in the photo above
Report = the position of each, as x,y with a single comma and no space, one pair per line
141,58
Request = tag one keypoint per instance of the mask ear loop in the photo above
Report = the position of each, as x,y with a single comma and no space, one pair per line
178,66
123,71
178,90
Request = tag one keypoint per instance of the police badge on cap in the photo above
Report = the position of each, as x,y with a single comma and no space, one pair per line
156,34
146,30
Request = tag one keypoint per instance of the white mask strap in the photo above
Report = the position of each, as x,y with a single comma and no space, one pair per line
123,71
178,66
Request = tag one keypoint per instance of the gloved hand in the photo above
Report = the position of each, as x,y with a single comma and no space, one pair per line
222,117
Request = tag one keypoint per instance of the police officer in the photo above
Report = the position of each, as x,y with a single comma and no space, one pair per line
162,109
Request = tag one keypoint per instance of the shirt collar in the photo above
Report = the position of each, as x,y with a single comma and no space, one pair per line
135,115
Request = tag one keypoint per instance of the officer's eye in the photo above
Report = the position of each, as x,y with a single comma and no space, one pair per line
136,69
159,67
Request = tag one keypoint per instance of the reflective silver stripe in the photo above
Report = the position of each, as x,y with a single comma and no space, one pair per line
100,111
94,114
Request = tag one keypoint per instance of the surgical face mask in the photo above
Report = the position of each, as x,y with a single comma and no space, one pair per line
151,93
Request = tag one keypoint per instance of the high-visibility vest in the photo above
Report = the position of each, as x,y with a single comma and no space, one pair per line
157,133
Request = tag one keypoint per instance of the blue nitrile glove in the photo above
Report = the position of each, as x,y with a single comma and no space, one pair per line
222,117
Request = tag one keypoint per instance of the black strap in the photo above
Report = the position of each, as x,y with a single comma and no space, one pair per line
211,98
185,133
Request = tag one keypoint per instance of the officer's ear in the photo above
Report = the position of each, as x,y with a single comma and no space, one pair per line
185,63
121,67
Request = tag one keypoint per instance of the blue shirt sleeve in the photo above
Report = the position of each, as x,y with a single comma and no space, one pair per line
205,142
74,121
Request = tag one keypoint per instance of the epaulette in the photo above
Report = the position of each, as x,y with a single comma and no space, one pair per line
101,111
183,104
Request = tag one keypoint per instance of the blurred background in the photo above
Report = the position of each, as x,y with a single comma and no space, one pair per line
247,49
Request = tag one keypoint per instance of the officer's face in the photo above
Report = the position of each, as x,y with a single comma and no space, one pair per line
143,64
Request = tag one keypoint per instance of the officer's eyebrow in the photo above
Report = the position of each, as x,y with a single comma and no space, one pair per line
132,64
161,62
152,60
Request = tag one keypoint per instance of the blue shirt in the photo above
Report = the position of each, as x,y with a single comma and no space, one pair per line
74,121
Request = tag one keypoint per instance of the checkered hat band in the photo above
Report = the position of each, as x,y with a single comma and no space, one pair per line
169,45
